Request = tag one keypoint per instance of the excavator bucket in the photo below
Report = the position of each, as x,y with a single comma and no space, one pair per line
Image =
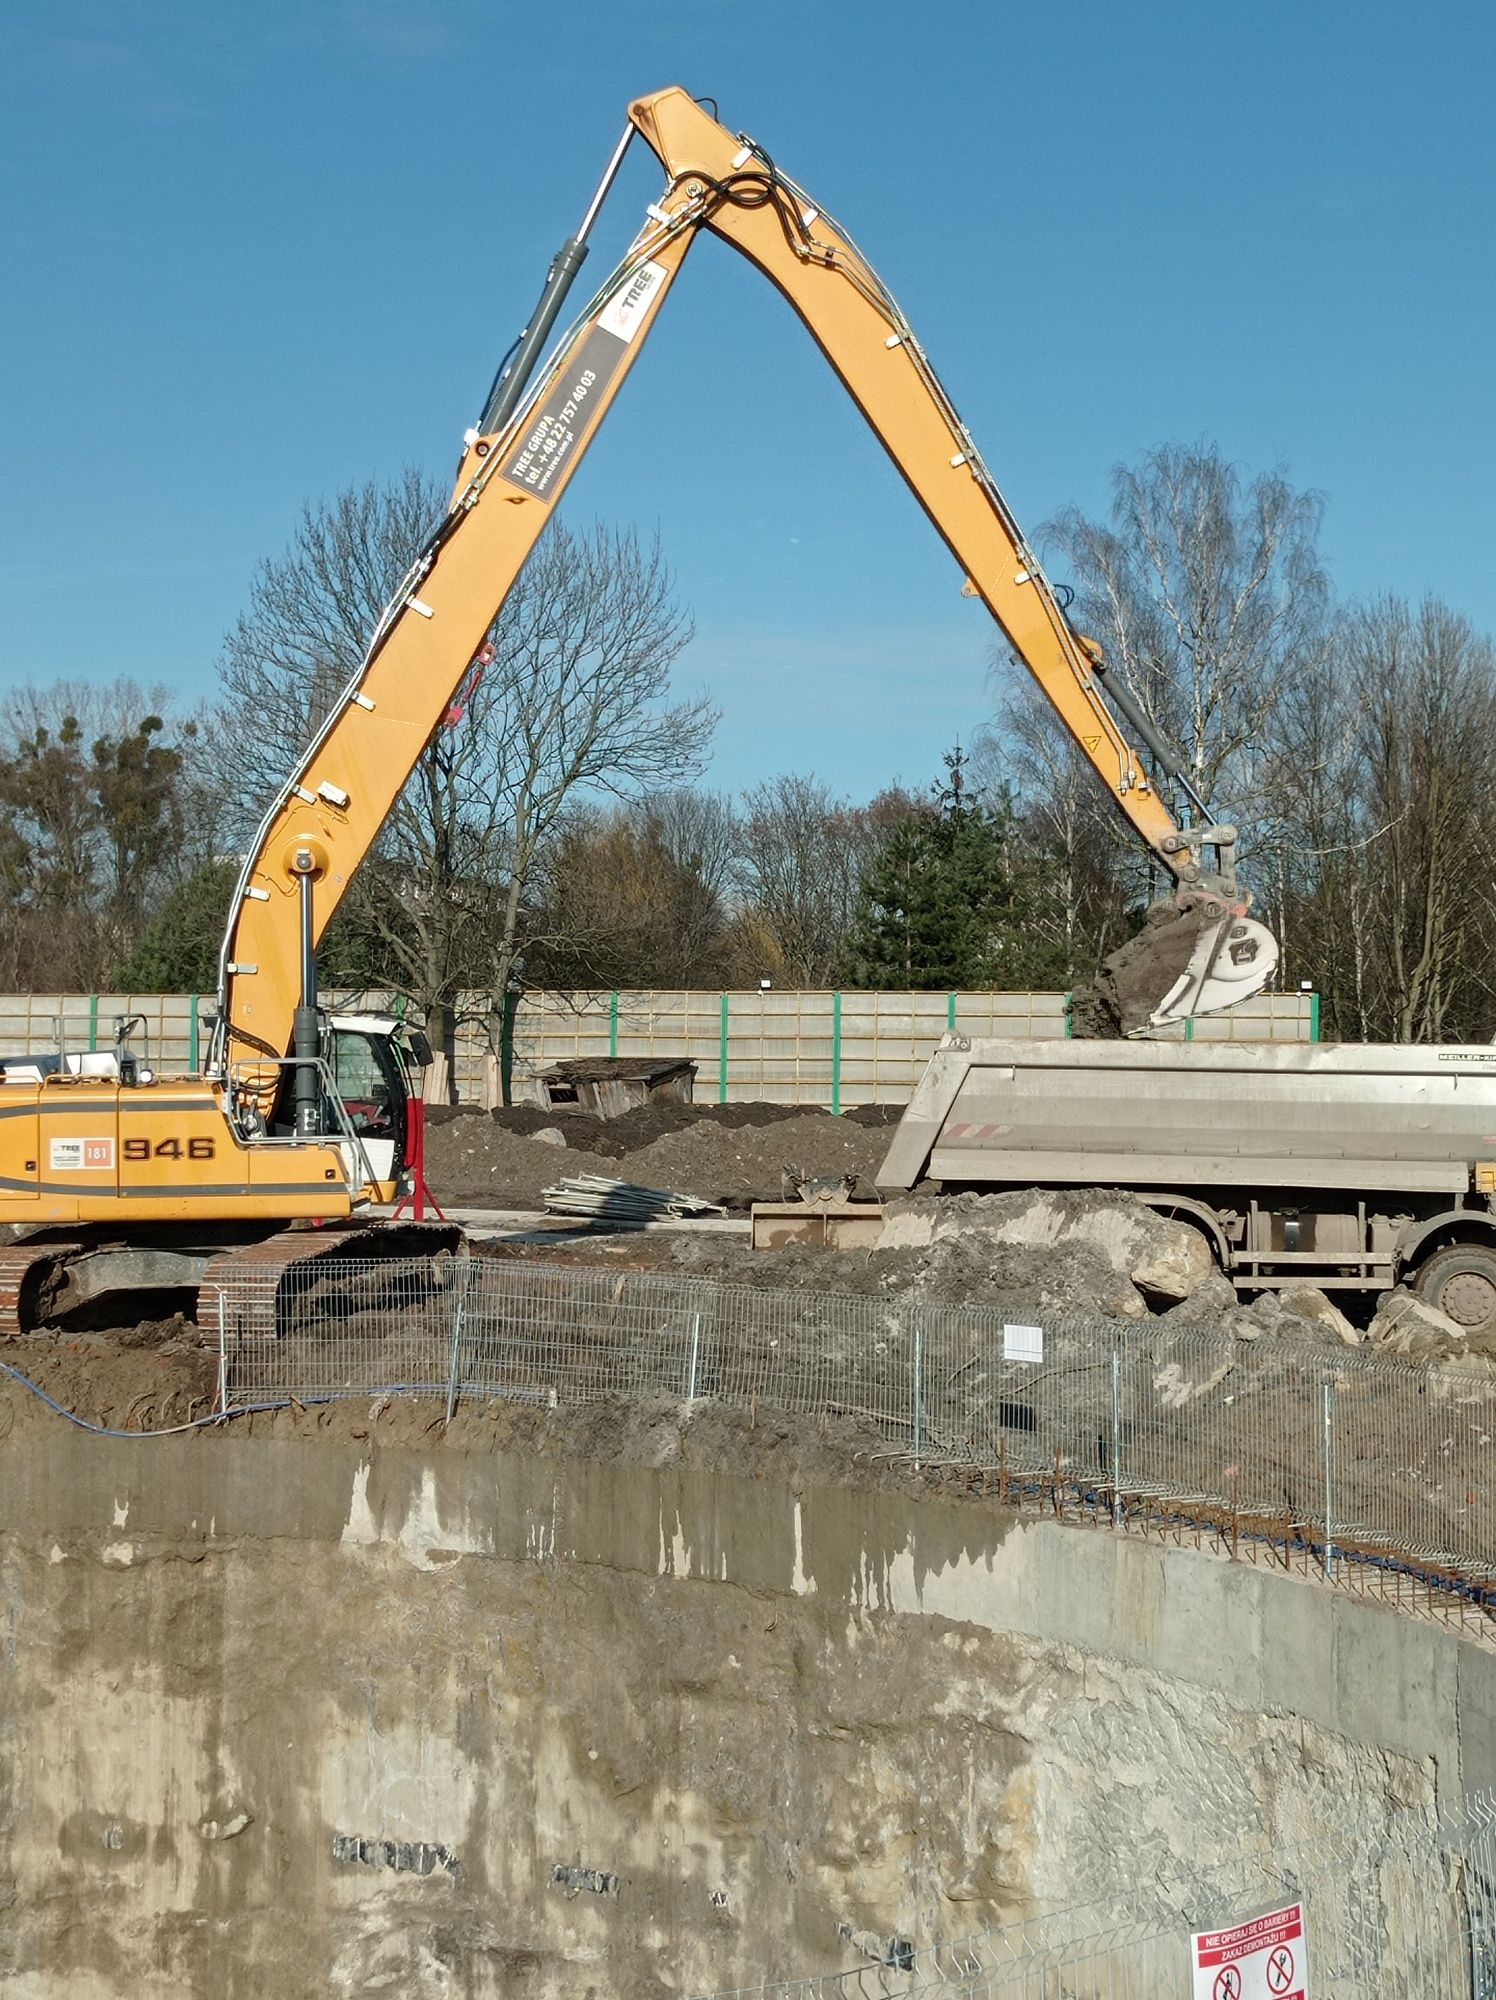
1232,959
1183,962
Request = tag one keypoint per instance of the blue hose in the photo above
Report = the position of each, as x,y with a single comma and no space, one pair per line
173,1430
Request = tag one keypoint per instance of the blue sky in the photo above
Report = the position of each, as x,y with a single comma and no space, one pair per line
253,254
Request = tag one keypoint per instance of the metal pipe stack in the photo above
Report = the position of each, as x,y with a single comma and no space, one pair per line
598,1199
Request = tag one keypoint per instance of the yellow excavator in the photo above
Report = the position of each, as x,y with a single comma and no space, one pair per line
134,1178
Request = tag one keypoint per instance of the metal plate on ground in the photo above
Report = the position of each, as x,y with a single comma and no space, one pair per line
820,1225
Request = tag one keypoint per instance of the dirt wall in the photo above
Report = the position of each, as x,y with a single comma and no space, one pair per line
291,1716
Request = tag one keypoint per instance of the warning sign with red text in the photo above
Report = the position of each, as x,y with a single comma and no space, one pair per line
1266,1958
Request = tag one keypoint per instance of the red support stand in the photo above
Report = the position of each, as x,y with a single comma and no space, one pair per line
420,1197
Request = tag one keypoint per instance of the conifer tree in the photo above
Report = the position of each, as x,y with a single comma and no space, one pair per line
950,901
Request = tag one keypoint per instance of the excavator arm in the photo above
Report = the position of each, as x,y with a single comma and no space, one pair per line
517,463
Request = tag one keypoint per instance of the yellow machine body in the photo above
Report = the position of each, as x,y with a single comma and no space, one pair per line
92,1150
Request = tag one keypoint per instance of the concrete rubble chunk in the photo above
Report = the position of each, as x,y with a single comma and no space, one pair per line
1254,1318
1176,1262
1213,1298
1156,1253
549,1135
1102,1250
1410,1326
1308,1303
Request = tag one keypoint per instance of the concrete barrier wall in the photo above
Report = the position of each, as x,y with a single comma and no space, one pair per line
284,1716
783,1044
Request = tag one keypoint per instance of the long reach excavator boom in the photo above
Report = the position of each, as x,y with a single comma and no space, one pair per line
298,1115
516,465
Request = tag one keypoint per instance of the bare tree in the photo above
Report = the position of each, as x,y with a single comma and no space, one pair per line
634,896
1208,596
805,853
579,701
570,698
1384,770
699,830
1088,867
303,634
1312,830
407,921
1206,592
1426,696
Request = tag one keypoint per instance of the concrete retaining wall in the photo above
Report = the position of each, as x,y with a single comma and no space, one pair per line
289,1717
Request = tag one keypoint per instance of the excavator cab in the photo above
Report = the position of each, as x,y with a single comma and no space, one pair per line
368,1075
373,1063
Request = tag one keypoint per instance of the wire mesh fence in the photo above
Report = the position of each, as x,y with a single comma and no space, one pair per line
1375,1471
1404,1906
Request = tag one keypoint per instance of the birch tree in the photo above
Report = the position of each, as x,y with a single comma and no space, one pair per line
1208,596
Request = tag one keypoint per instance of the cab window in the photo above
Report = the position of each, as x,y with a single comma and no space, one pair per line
363,1087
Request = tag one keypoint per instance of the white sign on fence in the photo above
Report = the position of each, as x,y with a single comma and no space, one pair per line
1265,1959
1023,1343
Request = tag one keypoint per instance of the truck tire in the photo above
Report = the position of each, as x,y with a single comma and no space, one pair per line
1460,1282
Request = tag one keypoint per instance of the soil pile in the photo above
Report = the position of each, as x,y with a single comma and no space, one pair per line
135,1378
735,1154
471,1159
1074,1252
1134,980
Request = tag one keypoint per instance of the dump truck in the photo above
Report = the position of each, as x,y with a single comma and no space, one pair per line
1350,1167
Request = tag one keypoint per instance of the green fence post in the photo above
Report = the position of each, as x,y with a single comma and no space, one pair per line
192,1036
1189,1027
836,1055
93,1022
722,1057
1069,1025
950,1013
612,1024
1314,1017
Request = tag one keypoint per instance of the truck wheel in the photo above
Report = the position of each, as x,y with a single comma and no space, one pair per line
1461,1283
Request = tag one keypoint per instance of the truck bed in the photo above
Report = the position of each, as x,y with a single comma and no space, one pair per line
1171,1114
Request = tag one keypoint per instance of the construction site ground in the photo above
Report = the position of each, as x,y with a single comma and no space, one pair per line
491,1171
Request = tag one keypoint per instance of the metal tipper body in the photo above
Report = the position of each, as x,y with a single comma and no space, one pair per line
1327,1164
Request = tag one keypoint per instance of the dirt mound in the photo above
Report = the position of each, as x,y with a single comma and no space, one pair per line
748,1164
618,1138
471,1160
1081,1251
1013,1278
138,1378
876,1117
967,1266
731,1153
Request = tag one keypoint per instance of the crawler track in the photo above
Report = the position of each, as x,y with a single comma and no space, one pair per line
240,1293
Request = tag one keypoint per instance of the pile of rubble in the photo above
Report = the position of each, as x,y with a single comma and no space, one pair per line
1108,1253
1074,1251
